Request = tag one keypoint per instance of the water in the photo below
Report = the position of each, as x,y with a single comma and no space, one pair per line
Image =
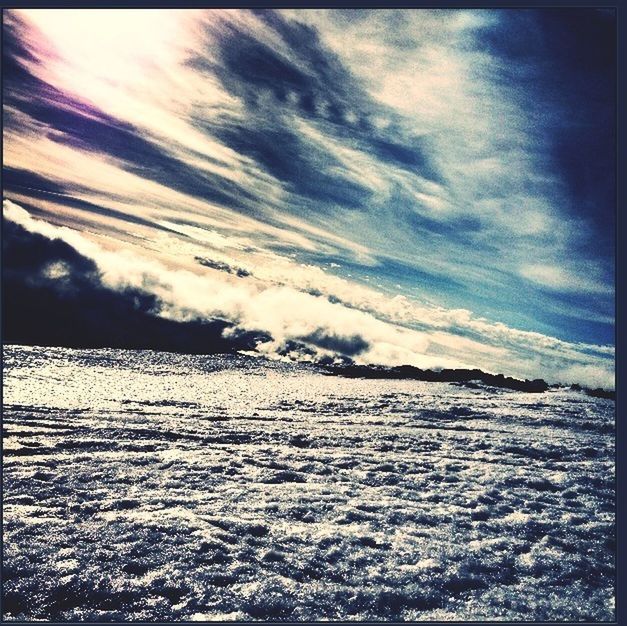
153,486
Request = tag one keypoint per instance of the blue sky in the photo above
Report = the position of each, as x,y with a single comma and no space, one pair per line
457,163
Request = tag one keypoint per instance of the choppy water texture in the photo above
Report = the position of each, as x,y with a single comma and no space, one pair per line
143,486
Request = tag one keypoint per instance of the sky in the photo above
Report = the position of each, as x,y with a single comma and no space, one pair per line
424,187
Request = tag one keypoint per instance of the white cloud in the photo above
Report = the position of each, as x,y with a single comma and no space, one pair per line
593,375
388,331
560,279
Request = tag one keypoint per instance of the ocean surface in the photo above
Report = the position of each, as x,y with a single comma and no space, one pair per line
153,486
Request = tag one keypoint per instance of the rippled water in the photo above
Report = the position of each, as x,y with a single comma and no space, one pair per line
153,486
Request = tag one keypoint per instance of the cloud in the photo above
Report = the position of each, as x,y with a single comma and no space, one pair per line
57,298
489,129
412,150
559,279
182,296
595,376
275,312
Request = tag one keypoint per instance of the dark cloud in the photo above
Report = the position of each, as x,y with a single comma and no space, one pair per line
52,295
223,267
15,52
564,61
310,83
55,296
308,68
347,345
251,62
14,178
412,157
303,167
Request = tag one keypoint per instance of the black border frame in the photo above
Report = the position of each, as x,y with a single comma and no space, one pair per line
621,167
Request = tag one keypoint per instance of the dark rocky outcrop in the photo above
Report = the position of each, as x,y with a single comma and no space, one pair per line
446,375
601,393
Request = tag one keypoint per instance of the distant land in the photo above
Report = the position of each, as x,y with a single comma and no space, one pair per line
467,377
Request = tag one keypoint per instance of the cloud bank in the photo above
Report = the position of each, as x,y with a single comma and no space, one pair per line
211,309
